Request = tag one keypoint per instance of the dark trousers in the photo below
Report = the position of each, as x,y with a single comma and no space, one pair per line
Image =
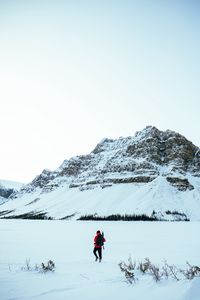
99,250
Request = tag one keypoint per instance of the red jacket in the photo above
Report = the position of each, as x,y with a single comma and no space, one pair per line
95,240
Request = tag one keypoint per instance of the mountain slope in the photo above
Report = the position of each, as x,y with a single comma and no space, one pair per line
154,172
7,188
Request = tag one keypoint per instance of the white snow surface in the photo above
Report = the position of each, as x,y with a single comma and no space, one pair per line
77,276
141,198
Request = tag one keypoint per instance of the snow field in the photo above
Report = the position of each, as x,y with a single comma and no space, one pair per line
77,276
158,195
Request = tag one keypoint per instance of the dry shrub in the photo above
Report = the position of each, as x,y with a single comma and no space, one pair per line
166,271
127,269
43,267
191,272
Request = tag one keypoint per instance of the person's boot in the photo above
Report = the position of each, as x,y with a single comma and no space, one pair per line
96,258
99,259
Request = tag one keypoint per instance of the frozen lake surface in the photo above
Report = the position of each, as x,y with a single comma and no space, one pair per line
77,276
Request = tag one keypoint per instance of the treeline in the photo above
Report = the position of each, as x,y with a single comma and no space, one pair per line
118,217
29,216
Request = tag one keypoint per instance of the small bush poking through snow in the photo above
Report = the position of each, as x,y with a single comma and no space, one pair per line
27,266
127,269
166,271
170,271
50,266
43,267
191,272
144,266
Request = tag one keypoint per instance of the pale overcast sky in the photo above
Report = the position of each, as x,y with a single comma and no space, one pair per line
74,72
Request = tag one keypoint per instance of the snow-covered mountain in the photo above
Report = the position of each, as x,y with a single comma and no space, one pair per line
7,188
154,173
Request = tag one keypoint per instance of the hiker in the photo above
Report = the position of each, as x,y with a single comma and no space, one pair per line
98,244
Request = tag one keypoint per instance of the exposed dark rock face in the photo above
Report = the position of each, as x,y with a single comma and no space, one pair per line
7,190
39,181
45,177
4,192
102,146
138,159
164,148
180,184
72,168
137,179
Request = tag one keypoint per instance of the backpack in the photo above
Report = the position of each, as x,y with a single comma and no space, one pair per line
99,241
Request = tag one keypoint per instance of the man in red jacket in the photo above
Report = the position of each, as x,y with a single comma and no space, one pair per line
98,244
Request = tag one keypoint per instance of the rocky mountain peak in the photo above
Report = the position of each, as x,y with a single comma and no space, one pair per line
102,146
147,172
164,148
140,158
148,131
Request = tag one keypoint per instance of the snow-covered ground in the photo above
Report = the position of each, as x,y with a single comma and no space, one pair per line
77,276
157,195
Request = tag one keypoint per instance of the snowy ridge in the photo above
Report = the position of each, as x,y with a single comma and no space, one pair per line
153,172
7,188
